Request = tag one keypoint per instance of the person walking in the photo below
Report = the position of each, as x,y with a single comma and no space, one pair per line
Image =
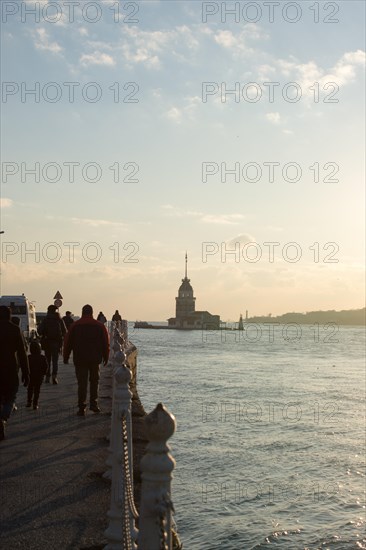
38,367
116,316
89,342
52,331
68,320
102,318
16,321
11,350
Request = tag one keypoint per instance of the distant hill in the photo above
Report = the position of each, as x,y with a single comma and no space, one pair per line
344,317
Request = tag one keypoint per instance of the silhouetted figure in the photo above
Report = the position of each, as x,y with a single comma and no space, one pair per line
89,342
116,317
102,318
68,320
11,348
16,321
38,367
52,331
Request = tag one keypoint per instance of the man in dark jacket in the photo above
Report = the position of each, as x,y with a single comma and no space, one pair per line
68,320
52,331
88,339
11,349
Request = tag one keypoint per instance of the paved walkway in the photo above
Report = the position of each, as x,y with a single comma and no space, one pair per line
52,495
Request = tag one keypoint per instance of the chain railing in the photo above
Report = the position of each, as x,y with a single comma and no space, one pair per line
121,522
155,521
129,503
127,470
111,328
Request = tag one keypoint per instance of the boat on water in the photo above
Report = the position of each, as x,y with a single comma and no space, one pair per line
142,324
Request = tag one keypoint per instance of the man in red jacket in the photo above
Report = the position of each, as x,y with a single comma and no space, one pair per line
88,340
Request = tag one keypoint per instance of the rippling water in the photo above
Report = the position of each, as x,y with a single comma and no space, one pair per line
270,443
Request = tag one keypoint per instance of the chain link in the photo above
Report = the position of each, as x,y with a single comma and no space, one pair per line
129,504
126,470
163,533
127,542
166,509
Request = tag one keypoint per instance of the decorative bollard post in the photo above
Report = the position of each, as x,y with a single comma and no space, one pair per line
121,532
111,342
157,466
113,364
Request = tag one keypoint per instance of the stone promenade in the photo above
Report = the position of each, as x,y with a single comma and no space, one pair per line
52,493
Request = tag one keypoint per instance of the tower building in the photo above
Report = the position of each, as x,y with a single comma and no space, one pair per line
186,316
185,301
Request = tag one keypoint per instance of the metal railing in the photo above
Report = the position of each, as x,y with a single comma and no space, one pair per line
155,518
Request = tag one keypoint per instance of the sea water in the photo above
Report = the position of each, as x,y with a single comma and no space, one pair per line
270,439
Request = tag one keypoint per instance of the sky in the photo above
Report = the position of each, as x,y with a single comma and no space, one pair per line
133,132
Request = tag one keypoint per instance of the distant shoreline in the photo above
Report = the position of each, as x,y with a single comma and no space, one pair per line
356,317
351,317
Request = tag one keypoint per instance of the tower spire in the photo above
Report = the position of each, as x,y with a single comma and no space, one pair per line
186,265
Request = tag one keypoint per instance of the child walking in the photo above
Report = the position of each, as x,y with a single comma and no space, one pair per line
38,366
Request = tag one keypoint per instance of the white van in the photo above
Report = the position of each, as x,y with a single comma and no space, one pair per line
21,307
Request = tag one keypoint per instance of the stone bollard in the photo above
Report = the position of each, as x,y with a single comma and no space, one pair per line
114,364
157,466
111,342
121,532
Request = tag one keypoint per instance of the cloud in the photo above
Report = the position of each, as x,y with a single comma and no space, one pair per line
6,203
243,238
151,47
345,69
145,46
175,114
237,43
225,39
226,219
99,223
179,212
275,118
97,58
42,41
186,111
306,74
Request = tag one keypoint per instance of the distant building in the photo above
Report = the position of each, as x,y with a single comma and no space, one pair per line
186,316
